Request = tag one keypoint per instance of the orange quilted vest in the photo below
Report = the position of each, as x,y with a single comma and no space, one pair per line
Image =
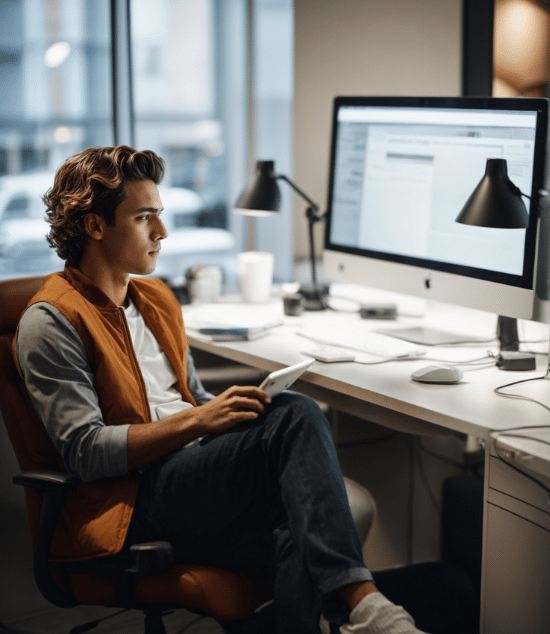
96,515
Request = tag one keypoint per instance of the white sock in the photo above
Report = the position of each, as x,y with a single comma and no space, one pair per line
375,614
325,627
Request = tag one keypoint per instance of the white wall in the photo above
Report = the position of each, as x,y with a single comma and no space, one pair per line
364,47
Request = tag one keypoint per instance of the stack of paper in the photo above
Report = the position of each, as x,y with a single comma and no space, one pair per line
229,322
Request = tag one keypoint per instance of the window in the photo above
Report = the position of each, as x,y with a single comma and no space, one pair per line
17,208
190,102
55,77
190,60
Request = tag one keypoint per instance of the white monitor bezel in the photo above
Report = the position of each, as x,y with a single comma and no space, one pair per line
453,287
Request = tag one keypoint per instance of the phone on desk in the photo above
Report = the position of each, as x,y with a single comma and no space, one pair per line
281,380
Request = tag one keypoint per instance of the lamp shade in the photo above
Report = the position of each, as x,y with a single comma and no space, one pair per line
262,196
496,202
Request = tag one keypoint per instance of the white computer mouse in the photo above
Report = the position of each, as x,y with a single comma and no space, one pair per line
437,374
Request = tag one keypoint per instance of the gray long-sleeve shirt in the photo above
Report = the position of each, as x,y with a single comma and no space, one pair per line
60,382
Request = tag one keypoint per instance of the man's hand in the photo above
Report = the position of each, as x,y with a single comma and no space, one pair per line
235,405
148,443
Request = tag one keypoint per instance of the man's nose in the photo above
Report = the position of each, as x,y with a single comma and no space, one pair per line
161,230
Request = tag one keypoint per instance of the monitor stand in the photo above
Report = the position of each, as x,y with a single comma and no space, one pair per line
425,336
507,330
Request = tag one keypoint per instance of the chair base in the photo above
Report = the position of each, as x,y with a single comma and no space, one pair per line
152,619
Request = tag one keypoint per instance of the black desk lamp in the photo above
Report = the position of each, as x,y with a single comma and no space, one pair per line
496,202
262,197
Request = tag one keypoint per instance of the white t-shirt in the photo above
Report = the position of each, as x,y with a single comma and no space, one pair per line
158,374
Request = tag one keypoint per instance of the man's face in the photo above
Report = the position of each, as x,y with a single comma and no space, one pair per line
132,245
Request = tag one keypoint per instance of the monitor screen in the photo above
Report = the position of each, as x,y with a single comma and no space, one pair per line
402,169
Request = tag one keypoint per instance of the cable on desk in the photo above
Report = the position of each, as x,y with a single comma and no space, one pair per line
487,361
389,360
543,441
498,390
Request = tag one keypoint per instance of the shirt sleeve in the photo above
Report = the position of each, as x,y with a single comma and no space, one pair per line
194,384
60,383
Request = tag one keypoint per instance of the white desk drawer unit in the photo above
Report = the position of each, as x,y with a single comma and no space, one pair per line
516,557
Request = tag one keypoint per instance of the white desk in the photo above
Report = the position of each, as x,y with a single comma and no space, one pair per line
516,537
384,393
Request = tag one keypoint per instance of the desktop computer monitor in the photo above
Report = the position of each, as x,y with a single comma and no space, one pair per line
401,170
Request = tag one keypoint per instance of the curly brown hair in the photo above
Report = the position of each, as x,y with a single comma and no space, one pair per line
93,181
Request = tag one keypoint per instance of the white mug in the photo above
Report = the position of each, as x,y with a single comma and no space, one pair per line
255,276
204,283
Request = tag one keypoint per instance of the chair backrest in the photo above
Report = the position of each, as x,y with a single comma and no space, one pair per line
19,416
15,294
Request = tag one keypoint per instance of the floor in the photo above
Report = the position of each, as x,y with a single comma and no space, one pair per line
61,621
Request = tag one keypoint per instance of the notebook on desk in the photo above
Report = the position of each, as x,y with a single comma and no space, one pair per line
232,321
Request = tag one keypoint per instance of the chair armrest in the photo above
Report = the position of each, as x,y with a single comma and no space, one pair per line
123,569
42,480
151,558
52,486
138,560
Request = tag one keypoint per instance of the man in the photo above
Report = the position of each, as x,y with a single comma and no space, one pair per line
235,480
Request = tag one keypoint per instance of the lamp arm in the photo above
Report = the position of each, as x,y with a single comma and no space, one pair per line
515,189
313,209
542,193
313,216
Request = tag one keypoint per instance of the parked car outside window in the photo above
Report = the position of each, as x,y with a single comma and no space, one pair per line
23,228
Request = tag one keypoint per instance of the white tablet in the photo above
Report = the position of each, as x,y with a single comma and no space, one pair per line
282,379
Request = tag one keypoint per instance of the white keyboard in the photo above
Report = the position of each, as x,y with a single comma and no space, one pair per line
363,340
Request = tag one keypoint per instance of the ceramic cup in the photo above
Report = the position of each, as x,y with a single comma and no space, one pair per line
255,276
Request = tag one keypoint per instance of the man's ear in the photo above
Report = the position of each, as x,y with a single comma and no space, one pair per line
95,226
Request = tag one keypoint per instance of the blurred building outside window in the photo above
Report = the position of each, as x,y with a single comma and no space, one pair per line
56,94
191,61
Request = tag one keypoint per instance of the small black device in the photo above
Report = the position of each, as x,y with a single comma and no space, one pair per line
378,311
513,360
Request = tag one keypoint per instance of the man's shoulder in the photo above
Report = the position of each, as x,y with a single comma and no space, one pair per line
43,320
60,296
55,287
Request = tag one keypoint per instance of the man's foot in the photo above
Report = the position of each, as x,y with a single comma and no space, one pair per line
375,614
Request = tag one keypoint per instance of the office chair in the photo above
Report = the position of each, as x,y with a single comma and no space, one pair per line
143,576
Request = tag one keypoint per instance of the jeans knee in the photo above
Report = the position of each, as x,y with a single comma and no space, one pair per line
302,408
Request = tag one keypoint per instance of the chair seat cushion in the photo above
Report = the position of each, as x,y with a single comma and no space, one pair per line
224,594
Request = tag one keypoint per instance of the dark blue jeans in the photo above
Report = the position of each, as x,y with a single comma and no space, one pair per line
266,496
